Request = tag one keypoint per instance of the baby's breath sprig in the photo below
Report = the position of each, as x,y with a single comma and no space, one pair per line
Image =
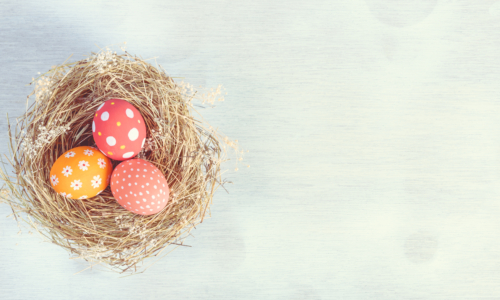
189,93
96,252
45,136
4,195
104,60
43,88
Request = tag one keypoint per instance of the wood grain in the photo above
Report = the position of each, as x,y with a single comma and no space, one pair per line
373,133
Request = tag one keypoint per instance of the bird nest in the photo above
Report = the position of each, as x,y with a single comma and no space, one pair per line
186,150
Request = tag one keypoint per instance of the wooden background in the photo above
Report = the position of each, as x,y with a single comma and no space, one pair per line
374,135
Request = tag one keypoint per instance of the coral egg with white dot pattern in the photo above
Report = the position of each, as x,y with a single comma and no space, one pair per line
139,187
118,129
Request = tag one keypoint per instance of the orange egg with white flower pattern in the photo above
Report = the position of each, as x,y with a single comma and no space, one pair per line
81,173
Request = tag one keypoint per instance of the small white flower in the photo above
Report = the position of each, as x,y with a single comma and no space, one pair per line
67,171
102,163
76,184
88,152
54,180
70,154
83,165
63,194
83,197
96,182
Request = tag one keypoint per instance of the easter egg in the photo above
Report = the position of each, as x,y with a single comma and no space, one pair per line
118,129
81,173
139,187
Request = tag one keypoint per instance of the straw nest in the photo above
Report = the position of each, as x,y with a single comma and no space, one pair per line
187,151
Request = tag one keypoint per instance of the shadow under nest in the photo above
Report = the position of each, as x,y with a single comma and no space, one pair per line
188,152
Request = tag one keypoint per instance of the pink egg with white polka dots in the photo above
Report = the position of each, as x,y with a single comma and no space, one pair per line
140,187
119,130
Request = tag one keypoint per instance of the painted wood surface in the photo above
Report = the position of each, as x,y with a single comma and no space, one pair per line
374,136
